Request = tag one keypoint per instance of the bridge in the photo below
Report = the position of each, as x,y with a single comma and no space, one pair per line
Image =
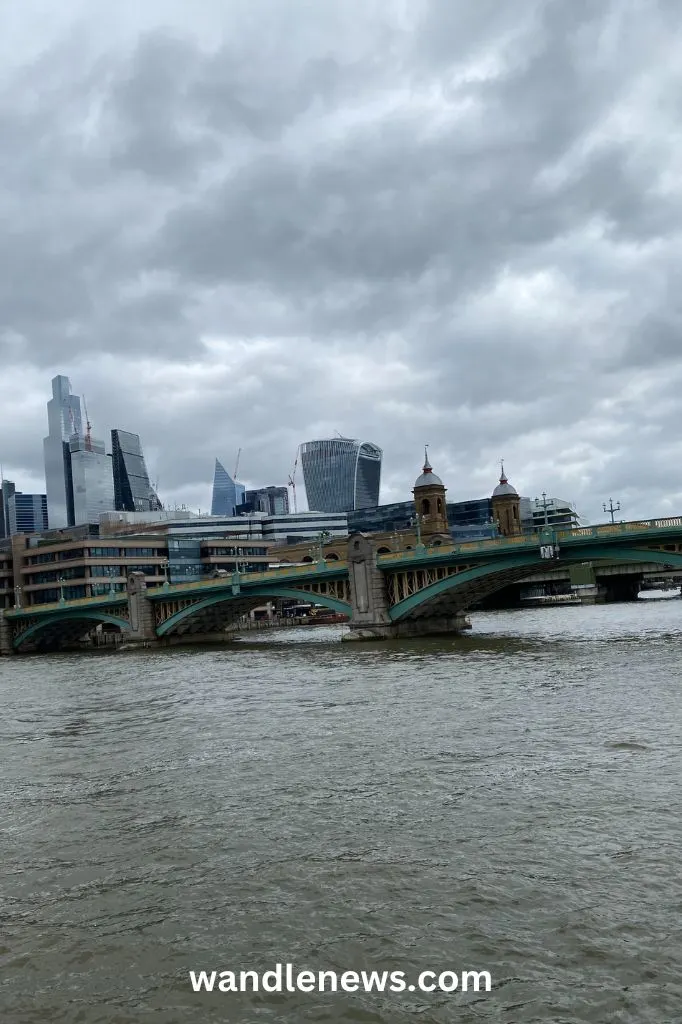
420,592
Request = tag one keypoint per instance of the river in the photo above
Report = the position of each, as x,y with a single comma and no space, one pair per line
505,801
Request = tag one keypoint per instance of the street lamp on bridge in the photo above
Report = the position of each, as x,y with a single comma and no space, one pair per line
322,539
544,505
17,597
612,509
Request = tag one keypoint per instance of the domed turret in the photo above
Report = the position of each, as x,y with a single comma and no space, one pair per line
506,507
429,501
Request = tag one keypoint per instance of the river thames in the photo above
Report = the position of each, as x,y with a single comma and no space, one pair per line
505,801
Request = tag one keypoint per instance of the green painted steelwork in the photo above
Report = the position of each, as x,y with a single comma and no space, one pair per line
74,616
459,580
258,594
532,561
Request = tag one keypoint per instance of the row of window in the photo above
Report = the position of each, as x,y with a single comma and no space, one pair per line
239,552
126,552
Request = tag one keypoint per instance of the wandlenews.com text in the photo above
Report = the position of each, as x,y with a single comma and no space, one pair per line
287,978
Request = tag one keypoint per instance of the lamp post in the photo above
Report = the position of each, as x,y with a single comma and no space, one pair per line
17,596
60,581
612,509
323,536
416,521
543,505
164,566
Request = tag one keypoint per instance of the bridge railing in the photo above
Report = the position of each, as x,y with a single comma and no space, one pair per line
73,602
312,570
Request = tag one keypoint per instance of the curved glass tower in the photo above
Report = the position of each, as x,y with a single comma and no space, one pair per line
340,474
132,489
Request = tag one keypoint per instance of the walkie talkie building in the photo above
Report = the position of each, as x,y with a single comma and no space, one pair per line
340,474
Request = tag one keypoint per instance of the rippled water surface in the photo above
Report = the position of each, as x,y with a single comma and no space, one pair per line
508,800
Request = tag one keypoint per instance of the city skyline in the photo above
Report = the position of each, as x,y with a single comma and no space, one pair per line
96,481
470,245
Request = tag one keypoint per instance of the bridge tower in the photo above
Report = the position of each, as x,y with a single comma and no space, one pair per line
429,503
506,507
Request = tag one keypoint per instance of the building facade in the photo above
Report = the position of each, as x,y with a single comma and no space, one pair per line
273,501
7,489
26,513
64,422
132,490
340,474
555,512
227,494
92,480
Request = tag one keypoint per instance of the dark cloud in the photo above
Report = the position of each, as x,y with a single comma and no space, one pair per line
449,222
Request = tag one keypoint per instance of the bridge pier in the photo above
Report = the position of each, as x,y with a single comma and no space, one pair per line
5,635
142,626
371,619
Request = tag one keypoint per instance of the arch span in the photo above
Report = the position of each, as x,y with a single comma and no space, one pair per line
78,623
472,585
247,599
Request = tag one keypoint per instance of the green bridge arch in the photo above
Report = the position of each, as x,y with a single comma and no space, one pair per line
257,595
532,562
68,616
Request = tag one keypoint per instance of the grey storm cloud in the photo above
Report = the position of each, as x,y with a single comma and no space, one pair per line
247,225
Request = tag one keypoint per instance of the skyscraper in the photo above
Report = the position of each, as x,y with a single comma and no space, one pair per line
27,513
341,474
132,489
7,489
226,493
92,480
63,421
274,501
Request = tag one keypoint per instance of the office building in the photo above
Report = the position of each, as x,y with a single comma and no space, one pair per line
7,489
467,519
555,512
227,494
340,474
273,501
304,526
92,480
6,574
26,513
64,422
132,489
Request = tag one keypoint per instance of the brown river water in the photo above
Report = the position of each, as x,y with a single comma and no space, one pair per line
505,801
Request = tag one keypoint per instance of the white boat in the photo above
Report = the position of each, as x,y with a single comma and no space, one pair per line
659,595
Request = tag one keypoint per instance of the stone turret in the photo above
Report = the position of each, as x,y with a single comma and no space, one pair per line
429,502
506,507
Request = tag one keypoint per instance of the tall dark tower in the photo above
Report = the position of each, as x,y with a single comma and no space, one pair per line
429,502
506,505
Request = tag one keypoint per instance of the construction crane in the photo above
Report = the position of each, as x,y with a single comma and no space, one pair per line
236,465
88,428
292,481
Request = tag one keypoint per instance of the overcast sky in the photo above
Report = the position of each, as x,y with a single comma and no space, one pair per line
250,223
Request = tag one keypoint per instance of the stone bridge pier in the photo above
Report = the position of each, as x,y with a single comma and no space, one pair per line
5,635
141,612
371,618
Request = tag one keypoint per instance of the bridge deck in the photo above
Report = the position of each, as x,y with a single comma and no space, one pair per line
643,530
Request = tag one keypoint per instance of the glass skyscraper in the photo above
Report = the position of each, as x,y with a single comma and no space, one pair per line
226,493
64,422
92,480
274,501
27,513
7,489
132,489
340,474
